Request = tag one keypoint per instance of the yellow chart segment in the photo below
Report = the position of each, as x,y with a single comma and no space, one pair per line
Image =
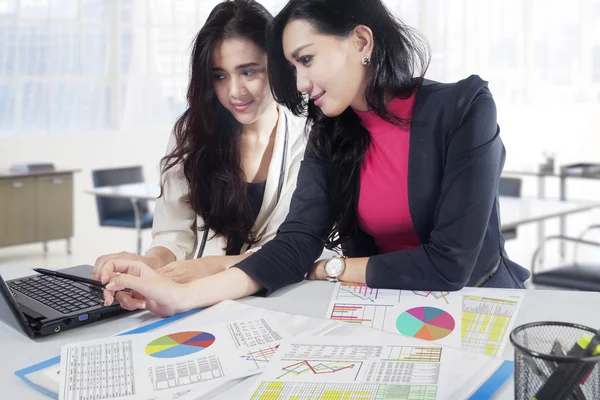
152,349
340,391
485,323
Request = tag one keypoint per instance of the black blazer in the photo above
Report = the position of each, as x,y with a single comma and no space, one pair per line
456,157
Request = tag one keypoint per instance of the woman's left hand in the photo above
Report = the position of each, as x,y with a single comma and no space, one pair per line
189,270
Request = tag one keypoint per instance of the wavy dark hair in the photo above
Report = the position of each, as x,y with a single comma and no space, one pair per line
207,135
398,64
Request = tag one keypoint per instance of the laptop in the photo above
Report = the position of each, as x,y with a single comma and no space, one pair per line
41,305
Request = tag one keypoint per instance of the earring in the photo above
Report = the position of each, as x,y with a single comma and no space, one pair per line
366,60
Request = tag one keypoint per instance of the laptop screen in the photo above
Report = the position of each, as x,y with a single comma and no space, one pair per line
10,313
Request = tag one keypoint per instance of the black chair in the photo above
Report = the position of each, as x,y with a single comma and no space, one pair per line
121,213
509,187
574,276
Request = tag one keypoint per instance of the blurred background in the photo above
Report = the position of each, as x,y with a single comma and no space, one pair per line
97,84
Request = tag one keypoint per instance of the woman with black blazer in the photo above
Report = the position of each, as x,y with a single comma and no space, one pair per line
400,173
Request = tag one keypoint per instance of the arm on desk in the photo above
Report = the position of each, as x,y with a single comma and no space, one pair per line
165,297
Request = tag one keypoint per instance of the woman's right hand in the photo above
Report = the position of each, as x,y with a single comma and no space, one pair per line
149,290
101,261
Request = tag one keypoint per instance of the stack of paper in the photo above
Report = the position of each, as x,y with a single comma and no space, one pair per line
376,344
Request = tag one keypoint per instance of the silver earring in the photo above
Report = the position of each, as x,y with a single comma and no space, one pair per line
366,60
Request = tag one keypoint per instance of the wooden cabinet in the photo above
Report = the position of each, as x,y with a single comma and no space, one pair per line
18,202
54,207
36,207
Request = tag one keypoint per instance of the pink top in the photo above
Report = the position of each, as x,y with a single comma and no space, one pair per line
383,209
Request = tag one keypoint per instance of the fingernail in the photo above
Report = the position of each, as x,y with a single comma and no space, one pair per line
110,285
143,306
106,303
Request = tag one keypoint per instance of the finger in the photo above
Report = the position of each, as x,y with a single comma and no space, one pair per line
165,270
129,303
171,274
100,261
109,297
127,281
115,266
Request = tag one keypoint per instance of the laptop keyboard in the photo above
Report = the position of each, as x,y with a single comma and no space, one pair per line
59,294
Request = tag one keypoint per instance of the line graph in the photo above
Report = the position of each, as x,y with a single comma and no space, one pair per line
349,291
315,368
261,357
436,295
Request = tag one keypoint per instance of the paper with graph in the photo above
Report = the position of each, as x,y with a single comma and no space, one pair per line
474,319
179,358
325,368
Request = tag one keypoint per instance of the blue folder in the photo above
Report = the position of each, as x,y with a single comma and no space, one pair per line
22,373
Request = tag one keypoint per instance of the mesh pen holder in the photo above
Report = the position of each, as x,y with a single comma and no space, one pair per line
541,372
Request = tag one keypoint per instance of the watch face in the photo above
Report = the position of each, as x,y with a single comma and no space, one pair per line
334,267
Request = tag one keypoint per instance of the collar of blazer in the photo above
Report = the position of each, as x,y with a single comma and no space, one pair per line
284,153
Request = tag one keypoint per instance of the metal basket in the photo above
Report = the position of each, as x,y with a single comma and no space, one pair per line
540,357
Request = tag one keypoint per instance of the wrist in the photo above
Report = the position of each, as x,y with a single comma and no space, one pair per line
234,260
320,270
186,298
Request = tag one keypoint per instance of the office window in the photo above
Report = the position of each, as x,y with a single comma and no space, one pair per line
54,66
77,66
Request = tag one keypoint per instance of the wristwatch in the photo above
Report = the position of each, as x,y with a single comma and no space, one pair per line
334,268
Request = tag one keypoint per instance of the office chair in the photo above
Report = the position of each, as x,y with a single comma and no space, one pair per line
121,213
575,276
509,187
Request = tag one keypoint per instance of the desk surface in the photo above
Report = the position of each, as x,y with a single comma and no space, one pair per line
134,191
514,211
306,298
551,174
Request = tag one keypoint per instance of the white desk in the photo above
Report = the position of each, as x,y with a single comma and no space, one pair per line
514,211
135,191
306,298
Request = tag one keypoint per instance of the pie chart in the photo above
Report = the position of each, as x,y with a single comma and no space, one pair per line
427,323
179,344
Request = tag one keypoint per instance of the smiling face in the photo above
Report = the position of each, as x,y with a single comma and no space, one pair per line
328,68
241,80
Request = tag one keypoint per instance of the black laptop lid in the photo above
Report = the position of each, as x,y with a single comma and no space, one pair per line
10,312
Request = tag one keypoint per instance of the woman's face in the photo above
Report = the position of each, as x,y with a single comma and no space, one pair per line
241,80
328,68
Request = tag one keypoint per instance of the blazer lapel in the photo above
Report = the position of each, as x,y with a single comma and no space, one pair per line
276,173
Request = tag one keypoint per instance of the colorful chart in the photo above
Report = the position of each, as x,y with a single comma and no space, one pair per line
319,368
179,344
427,323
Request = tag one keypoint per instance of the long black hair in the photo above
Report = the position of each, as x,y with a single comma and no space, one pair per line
207,135
398,64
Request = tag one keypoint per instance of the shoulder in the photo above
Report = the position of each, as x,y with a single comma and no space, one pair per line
455,100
